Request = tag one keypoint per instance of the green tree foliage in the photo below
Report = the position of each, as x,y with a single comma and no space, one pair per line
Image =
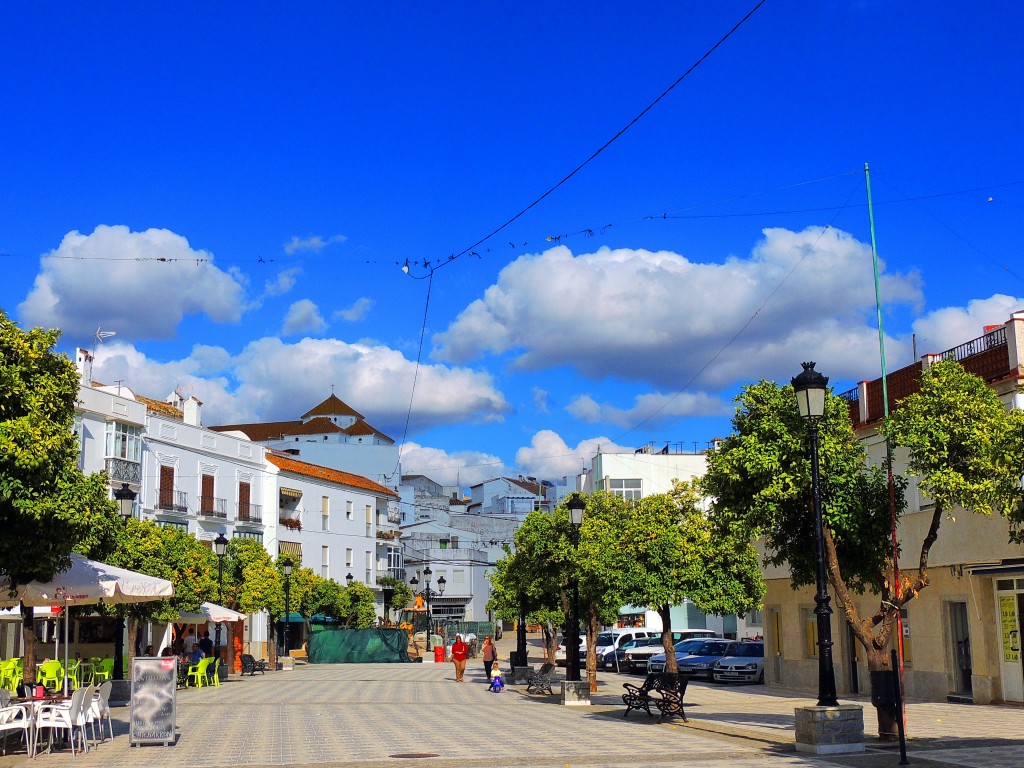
965,446
357,606
670,550
168,553
401,595
47,505
254,584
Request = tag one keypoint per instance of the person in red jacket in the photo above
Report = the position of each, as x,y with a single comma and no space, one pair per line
459,653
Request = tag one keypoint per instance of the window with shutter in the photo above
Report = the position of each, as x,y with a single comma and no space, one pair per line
206,495
244,494
166,492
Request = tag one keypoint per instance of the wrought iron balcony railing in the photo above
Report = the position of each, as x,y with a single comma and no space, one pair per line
169,500
248,513
211,506
123,471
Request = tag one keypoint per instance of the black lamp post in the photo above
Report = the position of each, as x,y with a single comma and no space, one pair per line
220,547
287,570
348,580
125,498
810,388
415,582
575,505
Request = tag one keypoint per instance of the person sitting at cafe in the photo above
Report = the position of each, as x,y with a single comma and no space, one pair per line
206,644
197,654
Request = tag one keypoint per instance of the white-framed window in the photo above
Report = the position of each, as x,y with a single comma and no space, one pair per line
458,576
630,490
348,558
123,441
325,562
348,510
325,513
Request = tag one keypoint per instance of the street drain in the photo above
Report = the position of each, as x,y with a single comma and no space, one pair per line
415,754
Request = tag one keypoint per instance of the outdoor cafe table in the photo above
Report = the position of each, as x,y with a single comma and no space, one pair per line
32,705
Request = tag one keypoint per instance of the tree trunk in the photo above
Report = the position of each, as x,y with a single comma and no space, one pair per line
28,634
665,611
592,629
272,643
133,635
878,663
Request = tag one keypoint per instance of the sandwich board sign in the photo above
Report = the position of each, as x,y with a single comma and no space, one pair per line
154,685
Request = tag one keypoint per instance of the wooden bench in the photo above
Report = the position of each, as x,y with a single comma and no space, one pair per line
663,691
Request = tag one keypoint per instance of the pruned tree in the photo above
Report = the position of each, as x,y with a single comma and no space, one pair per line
254,584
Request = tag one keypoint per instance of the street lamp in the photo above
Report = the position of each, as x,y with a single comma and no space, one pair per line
125,498
415,582
575,505
220,547
810,388
287,570
348,580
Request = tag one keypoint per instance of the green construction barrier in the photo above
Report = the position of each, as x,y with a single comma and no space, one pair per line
358,646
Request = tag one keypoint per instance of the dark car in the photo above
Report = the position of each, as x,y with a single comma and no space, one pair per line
701,662
683,649
617,660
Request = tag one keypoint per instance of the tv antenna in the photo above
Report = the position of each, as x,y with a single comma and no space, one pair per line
101,335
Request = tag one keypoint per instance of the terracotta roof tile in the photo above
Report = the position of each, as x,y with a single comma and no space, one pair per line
332,406
289,464
271,430
159,406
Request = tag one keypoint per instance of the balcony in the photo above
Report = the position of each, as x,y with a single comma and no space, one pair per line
291,523
171,501
123,471
248,513
211,506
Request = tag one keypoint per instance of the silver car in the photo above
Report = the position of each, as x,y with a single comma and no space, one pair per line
745,663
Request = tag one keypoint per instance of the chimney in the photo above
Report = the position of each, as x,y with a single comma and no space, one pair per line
83,362
193,411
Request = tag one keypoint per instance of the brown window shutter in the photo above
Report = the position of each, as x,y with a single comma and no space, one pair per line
206,495
244,491
166,486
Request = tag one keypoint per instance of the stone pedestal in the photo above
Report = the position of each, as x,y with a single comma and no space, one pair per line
285,663
830,730
120,693
576,693
519,675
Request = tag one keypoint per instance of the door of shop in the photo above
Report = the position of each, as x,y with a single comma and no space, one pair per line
960,640
1009,612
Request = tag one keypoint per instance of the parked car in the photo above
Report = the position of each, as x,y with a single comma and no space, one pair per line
744,663
656,662
701,662
560,650
609,661
616,638
637,662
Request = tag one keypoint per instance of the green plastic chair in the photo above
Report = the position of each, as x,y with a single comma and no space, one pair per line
7,672
213,678
197,673
50,674
102,671
75,673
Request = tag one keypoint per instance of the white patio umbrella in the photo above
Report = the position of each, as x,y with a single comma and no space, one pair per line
210,612
87,582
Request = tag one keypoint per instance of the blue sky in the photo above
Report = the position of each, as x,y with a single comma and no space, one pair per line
234,189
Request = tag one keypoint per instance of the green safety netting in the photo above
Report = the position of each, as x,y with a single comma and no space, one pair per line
358,646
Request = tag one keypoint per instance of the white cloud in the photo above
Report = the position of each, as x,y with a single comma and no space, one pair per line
271,380
313,243
549,457
357,311
540,399
660,318
282,283
949,327
303,317
652,408
461,468
140,284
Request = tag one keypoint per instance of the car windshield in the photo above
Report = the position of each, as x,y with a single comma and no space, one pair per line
689,646
748,649
605,638
712,649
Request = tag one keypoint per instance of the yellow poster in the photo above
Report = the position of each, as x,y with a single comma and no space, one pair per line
1008,621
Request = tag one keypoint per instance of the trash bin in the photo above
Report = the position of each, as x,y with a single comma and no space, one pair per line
439,654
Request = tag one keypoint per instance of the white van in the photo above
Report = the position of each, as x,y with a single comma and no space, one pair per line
610,639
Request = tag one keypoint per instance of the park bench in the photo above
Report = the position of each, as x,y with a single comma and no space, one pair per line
663,691
540,681
250,665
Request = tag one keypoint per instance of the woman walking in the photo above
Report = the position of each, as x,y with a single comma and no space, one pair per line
490,655
459,653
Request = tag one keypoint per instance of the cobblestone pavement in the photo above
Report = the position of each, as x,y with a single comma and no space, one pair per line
385,714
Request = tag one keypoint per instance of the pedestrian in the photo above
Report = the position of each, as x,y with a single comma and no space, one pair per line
459,653
490,655
206,644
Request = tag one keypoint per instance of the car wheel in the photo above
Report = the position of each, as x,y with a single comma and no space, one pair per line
760,678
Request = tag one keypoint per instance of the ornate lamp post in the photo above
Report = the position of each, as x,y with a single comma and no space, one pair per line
575,505
810,388
125,498
220,547
287,570
348,580
426,593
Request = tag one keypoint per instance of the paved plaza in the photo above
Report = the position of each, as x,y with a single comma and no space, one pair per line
396,714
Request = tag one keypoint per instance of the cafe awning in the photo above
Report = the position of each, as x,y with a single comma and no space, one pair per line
289,548
291,493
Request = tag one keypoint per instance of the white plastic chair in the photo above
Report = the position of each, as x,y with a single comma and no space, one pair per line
99,709
70,717
16,719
